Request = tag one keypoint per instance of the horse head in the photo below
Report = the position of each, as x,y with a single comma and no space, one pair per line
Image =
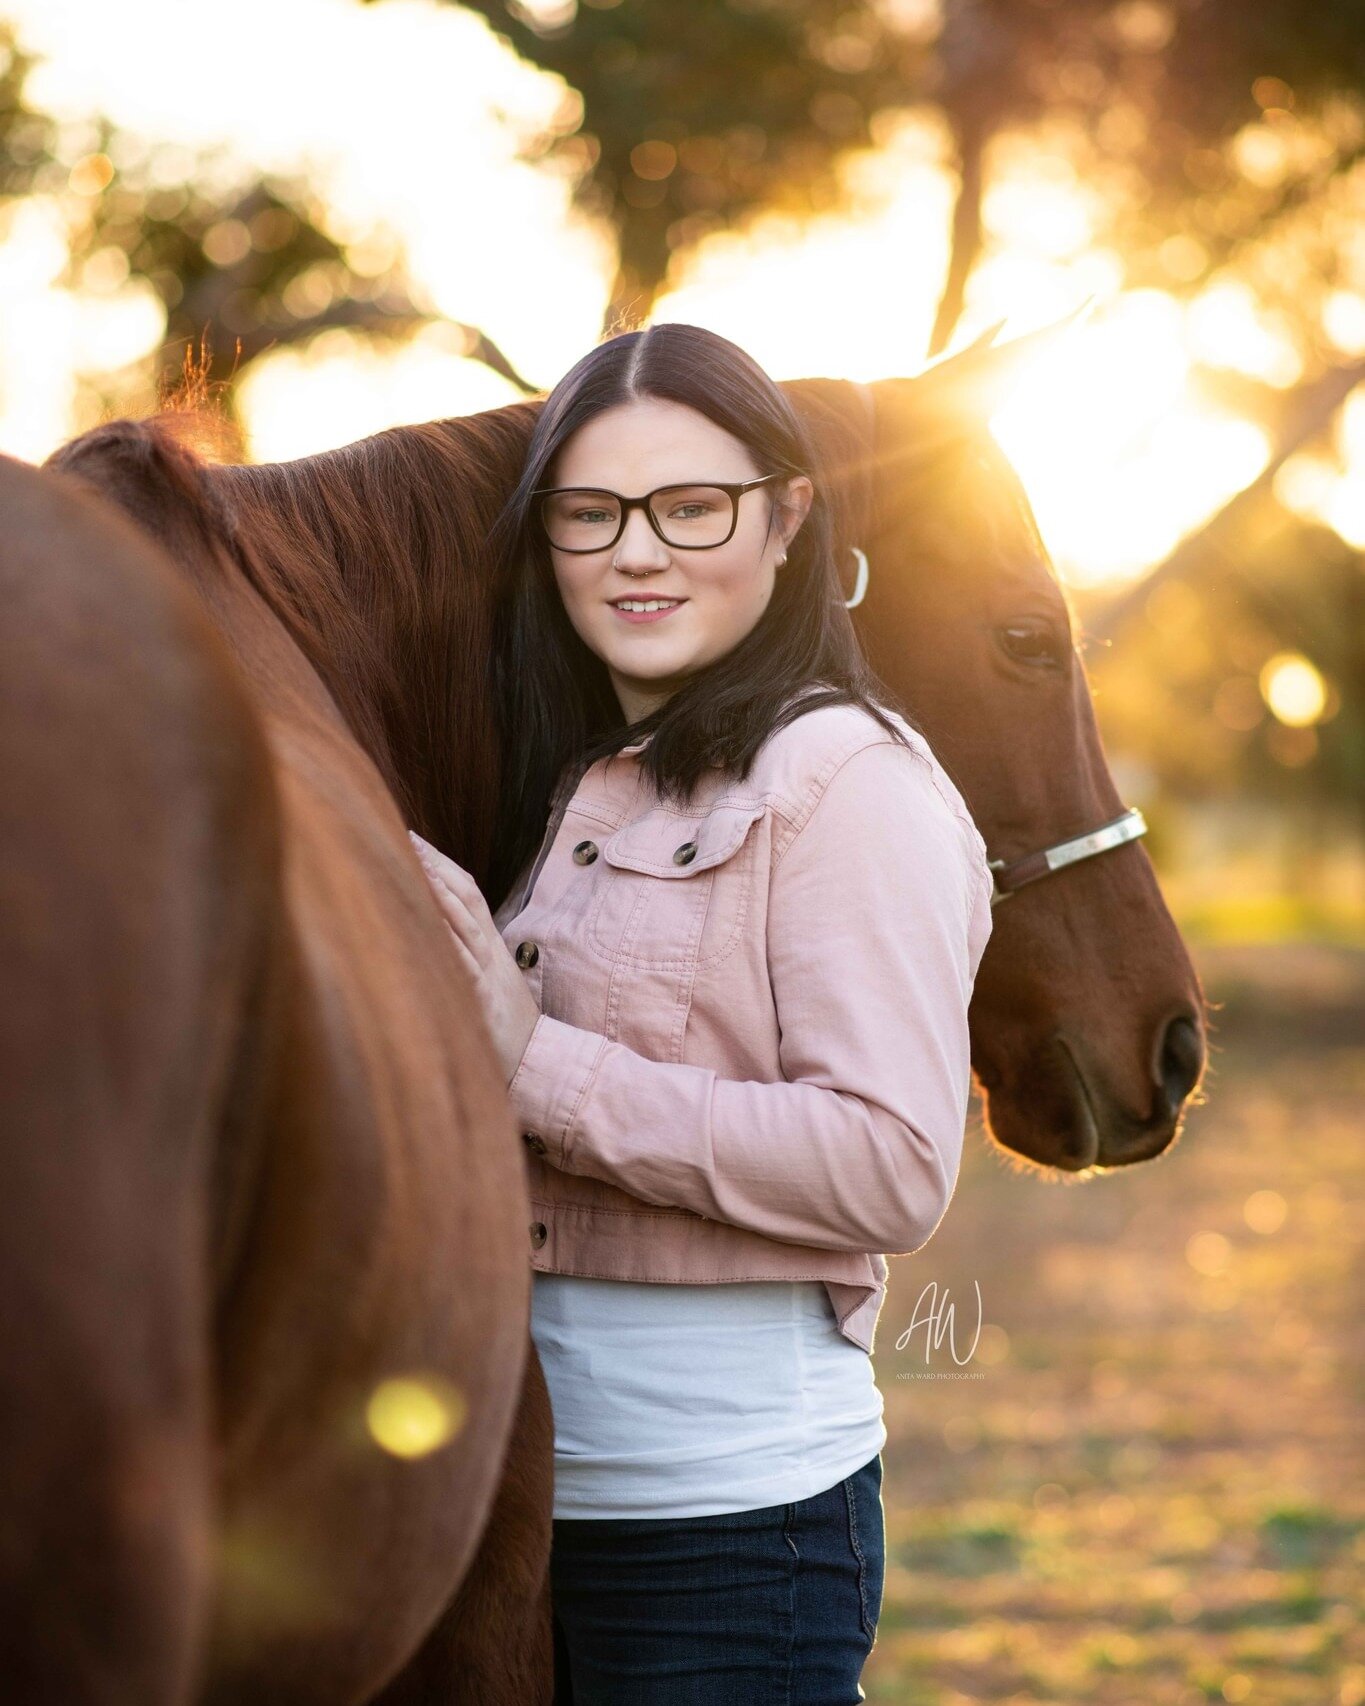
1087,1022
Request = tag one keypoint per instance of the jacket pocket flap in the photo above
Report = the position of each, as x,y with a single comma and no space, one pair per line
649,843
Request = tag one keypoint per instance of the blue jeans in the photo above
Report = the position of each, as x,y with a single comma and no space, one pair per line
770,1607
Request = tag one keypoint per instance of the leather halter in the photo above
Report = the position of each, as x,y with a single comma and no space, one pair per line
1010,875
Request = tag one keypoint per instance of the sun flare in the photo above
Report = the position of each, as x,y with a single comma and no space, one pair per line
1119,454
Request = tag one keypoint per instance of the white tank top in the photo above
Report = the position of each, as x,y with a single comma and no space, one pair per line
692,1400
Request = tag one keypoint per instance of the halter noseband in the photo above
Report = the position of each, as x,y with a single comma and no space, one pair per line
1012,874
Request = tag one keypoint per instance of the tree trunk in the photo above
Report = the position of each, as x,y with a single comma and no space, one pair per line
965,247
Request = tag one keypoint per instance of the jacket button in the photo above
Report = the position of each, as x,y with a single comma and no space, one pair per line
534,1141
538,1233
585,853
527,953
685,854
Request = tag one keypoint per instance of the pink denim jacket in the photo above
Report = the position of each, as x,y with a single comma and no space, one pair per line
752,1057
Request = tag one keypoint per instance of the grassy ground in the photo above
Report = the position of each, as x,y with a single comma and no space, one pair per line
1148,1489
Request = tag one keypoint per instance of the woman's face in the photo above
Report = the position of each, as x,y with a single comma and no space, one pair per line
719,593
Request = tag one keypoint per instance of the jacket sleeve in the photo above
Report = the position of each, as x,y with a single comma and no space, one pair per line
879,911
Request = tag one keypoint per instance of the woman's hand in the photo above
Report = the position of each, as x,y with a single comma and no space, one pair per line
508,1004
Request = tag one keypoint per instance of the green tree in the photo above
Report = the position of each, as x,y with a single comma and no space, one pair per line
699,113
240,263
1206,121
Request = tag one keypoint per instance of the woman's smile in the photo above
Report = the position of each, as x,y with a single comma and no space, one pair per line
632,608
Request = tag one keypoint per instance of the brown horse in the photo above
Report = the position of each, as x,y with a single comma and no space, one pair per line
262,1238
1088,1022
352,591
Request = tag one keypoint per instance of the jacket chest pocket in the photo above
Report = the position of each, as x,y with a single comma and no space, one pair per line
674,891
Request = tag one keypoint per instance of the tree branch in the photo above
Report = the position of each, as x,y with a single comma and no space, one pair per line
1310,412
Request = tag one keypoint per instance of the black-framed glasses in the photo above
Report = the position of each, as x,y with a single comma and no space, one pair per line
693,517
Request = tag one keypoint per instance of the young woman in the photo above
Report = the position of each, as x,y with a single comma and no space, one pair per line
729,988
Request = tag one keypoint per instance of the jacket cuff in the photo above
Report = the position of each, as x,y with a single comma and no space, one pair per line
551,1081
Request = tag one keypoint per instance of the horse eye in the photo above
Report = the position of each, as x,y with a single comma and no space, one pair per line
1034,645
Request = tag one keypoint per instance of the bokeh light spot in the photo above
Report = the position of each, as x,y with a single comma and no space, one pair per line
1294,689
413,1415
1265,1211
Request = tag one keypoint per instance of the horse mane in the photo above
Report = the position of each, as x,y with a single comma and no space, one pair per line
375,557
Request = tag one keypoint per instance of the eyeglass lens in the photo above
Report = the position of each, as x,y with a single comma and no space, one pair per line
687,515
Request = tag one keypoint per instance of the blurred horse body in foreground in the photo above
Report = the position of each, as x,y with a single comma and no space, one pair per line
259,1175
265,1292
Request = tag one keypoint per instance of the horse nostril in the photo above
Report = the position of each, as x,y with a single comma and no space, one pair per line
1179,1061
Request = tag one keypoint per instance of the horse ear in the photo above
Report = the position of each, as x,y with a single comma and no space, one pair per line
978,343
962,390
